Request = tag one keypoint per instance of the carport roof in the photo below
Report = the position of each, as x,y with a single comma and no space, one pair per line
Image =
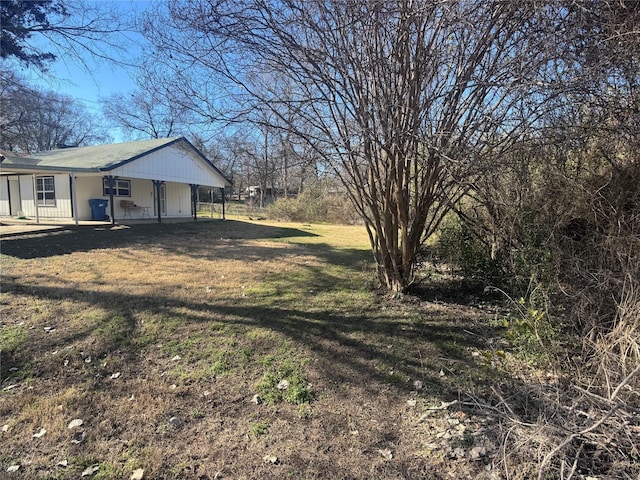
94,158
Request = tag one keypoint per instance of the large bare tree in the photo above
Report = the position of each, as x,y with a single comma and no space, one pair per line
33,119
401,96
143,114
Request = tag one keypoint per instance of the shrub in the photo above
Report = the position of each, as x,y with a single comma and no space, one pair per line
460,247
318,203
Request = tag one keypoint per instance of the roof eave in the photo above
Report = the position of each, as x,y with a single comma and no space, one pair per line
30,169
207,161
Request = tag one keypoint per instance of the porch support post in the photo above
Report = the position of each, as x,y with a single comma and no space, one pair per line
157,184
111,180
74,197
35,198
11,210
223,204
194,201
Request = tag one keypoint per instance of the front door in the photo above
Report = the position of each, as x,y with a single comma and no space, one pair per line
163,201
14,197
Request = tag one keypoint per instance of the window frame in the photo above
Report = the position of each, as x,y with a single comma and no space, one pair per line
44,194
121,185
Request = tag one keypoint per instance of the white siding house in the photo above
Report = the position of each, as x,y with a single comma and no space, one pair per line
148,178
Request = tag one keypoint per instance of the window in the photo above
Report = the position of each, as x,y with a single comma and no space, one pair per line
45,189
121,188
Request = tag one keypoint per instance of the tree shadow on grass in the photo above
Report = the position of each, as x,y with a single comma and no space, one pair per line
351,346
88,238
366,349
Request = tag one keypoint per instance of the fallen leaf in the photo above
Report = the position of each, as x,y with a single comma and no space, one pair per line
476,452
386,453
283,384
13,468
40,434
75,423
89,471
137,474
459,452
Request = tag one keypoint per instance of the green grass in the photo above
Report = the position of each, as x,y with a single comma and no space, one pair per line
260,428
284,368
12,338
199,318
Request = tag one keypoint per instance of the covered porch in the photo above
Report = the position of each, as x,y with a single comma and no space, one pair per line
151,179
70,197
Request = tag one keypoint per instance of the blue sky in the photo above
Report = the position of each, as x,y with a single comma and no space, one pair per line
99,78
88,87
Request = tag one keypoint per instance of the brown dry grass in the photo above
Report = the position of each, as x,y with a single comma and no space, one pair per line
194,320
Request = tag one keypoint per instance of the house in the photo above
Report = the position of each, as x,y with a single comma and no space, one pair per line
142,179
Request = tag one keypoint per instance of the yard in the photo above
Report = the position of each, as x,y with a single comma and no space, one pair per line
232,349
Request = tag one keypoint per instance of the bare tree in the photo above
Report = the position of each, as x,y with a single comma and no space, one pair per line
586,144
298,163
73,30
401,96
35,119
142,113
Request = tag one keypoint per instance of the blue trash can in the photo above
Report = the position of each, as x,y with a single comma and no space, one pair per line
98,208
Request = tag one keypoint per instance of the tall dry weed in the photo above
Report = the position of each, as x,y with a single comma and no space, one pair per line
585,422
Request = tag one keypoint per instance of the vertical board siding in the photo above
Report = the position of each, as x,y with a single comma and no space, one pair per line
172,164
27,202
5,205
